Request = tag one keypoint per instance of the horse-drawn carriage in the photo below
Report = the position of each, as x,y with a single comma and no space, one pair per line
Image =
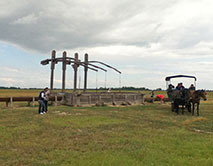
186,97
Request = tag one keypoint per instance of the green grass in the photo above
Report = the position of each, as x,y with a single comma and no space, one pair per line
146,135
137,135
33,93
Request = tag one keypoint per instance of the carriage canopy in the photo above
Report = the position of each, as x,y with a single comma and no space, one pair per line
168,79
178,76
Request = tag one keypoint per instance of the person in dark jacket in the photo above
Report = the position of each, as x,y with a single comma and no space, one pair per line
192,87
46,98
42,102
180,86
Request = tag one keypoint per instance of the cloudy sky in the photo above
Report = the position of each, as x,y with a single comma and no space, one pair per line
146,39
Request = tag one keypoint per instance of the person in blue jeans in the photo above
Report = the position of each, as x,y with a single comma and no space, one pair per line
46,98
42,100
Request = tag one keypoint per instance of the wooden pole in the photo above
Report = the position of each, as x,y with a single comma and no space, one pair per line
52,67
75,71
85,71
64,70
11,101
33,101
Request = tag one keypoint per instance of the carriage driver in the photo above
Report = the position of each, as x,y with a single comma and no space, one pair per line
171,87
180,86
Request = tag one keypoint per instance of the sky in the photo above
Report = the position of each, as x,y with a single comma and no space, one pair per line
146,40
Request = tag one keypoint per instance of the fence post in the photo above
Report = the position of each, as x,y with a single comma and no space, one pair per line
33,101
11,101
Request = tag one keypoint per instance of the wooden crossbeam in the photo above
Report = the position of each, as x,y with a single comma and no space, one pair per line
75,62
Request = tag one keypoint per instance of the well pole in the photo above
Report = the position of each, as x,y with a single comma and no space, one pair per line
52,67
85,71
64,70
75,66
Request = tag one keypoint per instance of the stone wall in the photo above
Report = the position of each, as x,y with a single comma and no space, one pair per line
102,98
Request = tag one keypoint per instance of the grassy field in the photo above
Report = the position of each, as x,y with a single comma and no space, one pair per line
33,93
146,135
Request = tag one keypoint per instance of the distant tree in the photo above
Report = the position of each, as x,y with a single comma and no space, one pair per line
158,89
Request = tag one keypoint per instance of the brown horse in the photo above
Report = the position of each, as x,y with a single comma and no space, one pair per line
195,99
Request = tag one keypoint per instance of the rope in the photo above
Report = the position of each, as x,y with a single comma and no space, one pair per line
96,81
79,79
105,79
119,82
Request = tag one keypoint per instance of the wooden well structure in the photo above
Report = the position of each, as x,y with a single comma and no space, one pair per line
87,98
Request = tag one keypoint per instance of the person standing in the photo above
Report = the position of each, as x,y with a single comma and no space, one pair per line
46,98
41,100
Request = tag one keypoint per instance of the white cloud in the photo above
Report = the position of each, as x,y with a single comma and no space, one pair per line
29,19
7,69
148,38
10,81
72,24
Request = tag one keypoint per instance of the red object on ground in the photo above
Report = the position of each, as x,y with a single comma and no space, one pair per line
160,96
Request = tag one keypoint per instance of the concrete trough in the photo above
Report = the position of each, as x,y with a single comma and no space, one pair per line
102,98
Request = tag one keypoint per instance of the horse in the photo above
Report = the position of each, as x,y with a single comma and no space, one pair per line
179,97
195,99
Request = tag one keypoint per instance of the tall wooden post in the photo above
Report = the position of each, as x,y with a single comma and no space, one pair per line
85,71
52,67
64,70
75,66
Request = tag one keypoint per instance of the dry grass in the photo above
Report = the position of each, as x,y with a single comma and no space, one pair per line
190,121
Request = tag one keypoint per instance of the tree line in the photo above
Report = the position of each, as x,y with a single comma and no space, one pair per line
101,88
